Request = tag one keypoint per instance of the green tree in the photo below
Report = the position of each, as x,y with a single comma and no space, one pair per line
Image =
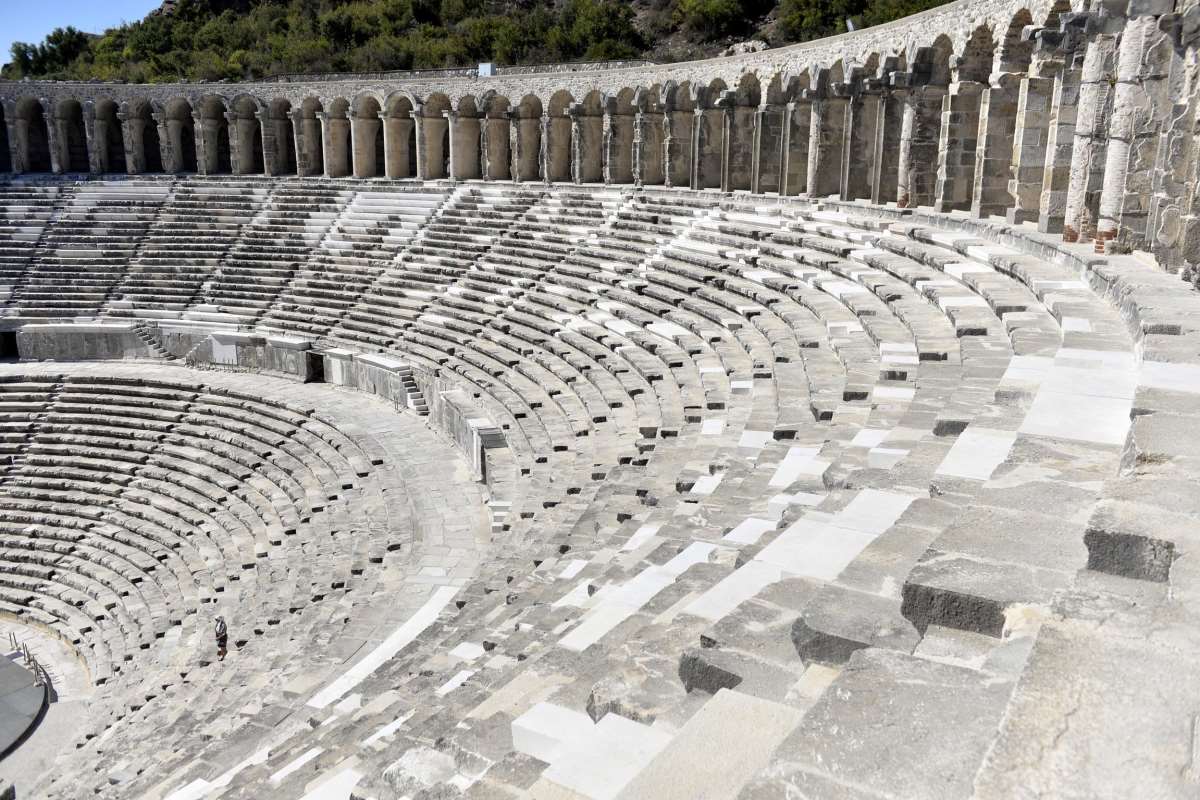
710,18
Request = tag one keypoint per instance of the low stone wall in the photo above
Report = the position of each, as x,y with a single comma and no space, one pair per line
80,342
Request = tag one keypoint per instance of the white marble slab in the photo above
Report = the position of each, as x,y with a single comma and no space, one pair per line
544,730
977,452
598,764
749,531
387,649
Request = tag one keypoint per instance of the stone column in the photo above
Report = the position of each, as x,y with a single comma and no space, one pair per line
544,148
576,145
515,146
56,139
1091,137
956,146
16,152
1173,229
726,111
166,145
423,168
356,156
668,147
389,145
608,144
235,144
266,131
326,130
485,158
299,144
96,140
452,163
699,137
1060,134
1141,107
1030,143
200,137
134,141
994,146
639,146
920,133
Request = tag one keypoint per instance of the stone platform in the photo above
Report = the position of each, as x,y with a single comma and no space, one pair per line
22,700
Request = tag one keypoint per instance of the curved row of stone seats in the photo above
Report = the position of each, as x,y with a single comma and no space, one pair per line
374,229
201,482
196,227
629,637
445,247
288,637
25,211
88,247
269,250
733,542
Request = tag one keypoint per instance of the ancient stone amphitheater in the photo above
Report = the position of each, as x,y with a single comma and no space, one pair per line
817,423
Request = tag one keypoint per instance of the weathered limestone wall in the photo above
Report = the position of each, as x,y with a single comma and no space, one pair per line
1074,116
80,342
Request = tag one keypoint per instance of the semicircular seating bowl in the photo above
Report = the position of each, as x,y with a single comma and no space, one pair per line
883,491
761,446
134,509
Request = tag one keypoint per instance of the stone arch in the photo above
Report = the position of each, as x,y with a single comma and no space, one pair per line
465,132
280,130
435,138
181,135
145,145
679,120
108,138
1054,14
400,136
1013,53
246,135
932,64
496,137
6,163
310,137
975,61
618,158
72,136
558,137
649,140
215,154
339,158
527,123
366,130
33,135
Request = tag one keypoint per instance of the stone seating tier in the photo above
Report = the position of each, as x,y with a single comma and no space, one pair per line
770,459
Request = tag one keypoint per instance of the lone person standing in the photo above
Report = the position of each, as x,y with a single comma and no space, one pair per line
222,638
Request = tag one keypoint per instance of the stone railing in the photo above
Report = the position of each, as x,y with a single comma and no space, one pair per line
1076,118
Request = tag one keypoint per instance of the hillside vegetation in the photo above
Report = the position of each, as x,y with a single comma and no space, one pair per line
245,39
